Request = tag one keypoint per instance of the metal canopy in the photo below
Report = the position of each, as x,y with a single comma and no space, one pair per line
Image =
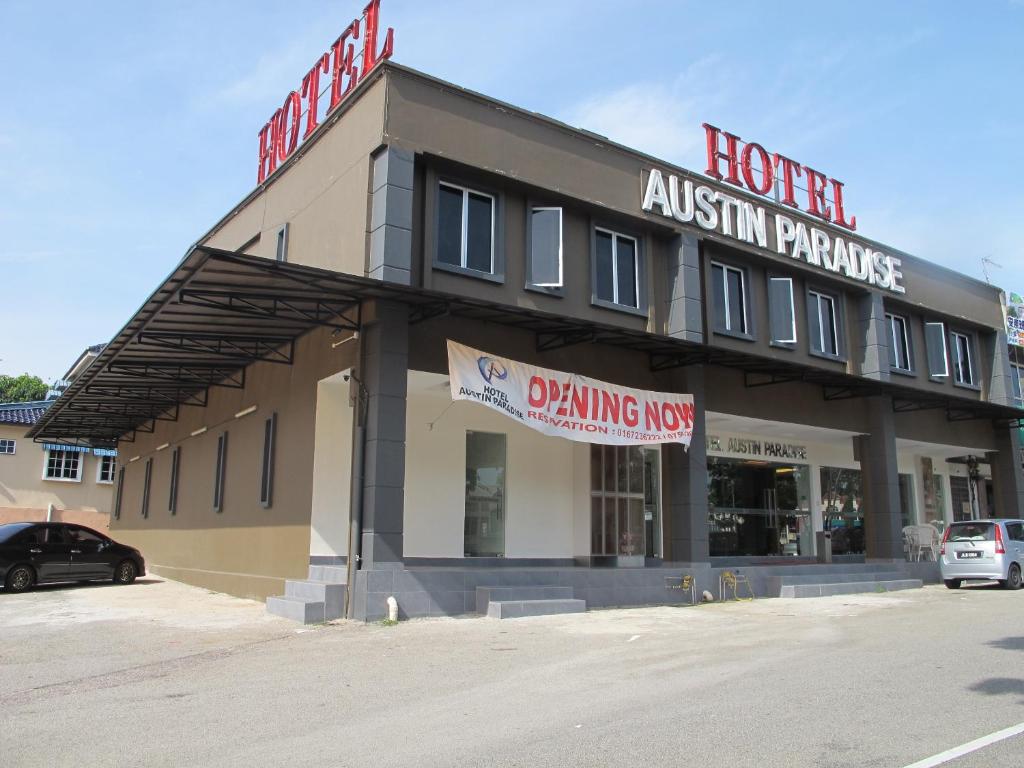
220,311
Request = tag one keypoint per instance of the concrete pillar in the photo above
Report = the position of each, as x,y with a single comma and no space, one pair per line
1007,475
684,317
873,335
687,473
390,255
385,376
880,485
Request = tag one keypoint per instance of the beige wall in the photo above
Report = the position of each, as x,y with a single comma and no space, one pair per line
322,194
25,495
246,549
540,478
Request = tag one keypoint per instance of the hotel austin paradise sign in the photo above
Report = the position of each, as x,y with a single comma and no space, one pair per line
568,405
338,66
754,169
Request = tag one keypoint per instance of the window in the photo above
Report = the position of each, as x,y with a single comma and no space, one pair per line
823,324
616,269
1017,374
545,267
172,496
935,344
729,299
900,358
782,310
963,359
267,474
484,533
63,465
1015,531
218,480
145,487
617,495
82,536
465,228
120,491
281,247
7,446
105,469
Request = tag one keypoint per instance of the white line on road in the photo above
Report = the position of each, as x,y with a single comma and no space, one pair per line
970,746
634,637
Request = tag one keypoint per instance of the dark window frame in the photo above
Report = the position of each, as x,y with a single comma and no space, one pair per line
908,343
783,344
268,458
281,242
172,494
220,471
938,378
839,317
972,358
118,495
749,333
146,485
1017,383
531,284
640,254
497,273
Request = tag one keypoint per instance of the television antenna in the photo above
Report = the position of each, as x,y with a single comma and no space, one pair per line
986,262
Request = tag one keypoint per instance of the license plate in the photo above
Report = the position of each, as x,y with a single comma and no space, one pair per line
967,555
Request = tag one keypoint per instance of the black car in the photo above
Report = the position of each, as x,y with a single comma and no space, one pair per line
39,553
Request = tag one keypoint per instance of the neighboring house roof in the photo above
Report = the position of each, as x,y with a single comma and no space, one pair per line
23,413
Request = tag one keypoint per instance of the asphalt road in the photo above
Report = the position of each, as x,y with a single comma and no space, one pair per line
159,674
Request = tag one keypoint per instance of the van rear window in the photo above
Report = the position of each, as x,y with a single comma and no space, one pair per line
971,532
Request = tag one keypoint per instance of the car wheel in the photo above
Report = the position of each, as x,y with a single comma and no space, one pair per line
125,572
20,578
952,583
1013,578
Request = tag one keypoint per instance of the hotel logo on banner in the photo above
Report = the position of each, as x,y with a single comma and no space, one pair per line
568,405
1014,310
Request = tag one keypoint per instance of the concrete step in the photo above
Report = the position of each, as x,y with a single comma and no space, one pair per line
835,578
331,595
848,588
515,609
335,574
485,595
297,609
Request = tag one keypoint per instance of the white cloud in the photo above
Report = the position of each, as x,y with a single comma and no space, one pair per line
663,120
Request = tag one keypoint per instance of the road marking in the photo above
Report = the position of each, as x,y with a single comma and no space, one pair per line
634,637
970,746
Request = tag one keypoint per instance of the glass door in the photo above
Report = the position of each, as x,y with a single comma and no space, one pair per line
625,504
484,534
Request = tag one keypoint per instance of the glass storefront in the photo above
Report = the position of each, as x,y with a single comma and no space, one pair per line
842,510
484,534
758,508
625,501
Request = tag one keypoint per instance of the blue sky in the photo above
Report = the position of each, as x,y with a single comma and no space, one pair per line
127,129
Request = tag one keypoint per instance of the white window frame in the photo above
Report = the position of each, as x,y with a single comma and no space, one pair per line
8,446
821,324
970,360
78,476
281,243
464,236
743,298
891,318
1017,382
616,236
945,352
561,274
99,469
792,309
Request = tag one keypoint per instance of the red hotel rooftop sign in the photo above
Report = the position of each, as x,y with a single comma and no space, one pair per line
279,138
740,164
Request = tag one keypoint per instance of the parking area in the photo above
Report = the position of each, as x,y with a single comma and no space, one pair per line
877,679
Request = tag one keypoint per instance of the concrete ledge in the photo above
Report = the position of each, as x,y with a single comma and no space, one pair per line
521,608
849,588
296,609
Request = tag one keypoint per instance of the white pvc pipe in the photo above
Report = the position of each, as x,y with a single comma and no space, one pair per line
49,512
392,608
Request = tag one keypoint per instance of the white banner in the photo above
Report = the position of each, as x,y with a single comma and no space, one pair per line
569,405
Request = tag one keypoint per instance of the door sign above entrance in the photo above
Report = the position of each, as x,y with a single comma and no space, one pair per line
569,405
